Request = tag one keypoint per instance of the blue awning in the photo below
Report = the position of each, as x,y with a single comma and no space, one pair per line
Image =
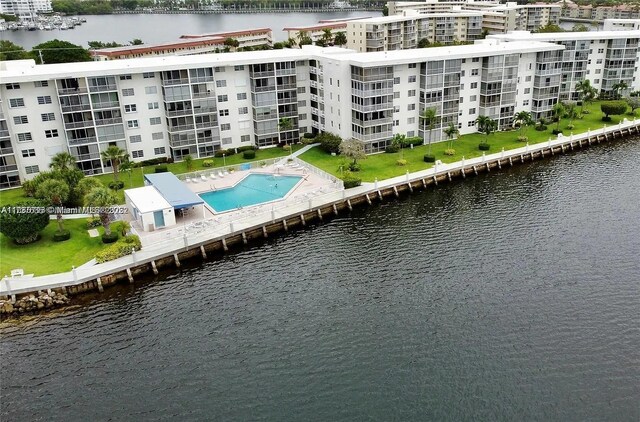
173,190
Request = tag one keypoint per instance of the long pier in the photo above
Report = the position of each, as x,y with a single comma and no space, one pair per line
174,250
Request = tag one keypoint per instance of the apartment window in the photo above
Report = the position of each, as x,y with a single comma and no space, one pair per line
25,137
137,154
153,106
396,122
125,77
221,83
525,103
302,116
302,103
224,112
473,98
527,90
159,150
48,117
472,111
474,85
396,81
411,134
132,124
219,69
412,78
16,102
412,65
135,138
31,169
471,123
13,86
596,81
411,107
223,98
396,95
150,90
243,110
238,68
28,153
599,61
128,92
411,120
598,71
225,126
52,133
154,121
475,59
462,73
302,90
527,79
474,72
148,75
20,120
40,84
130,108
600,50
245,138
156,136
44,99
226,141
241,95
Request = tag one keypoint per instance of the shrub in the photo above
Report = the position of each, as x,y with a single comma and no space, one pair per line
153,161
429,158
414,140
160,169
249,154
93,222
306,141
557,131
401,162
119,249
612,108
110,238
449,151
309,135
351,181
354,166
226,152
541,128
570,127
391,149
483,146
24,227
286,147
61,236
329,142
116,185
207,163
247,148
523,139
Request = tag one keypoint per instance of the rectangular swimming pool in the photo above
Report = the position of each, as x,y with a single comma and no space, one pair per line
254,189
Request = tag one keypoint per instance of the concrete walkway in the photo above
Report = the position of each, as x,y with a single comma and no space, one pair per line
211,232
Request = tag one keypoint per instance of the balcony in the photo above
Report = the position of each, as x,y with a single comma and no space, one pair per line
374,122
207,94
266,74
198,79
182,142
71,91
105,122
287,100
181,128
82,141
10,167
76,107
4,133
372,136
176,113
372,107
106,104
288,113
205,110
283,72
5,151
172,82
103,88
78,125
90,156
263,88
282,87
372,92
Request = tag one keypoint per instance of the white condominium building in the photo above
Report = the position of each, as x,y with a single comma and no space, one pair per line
604,57
621,24
195,105
25,9
405,31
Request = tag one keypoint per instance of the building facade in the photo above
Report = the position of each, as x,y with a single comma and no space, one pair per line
196,105
25,9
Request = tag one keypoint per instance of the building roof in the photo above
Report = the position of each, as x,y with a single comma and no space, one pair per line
564,36
173,190
143,49
147,199
255,31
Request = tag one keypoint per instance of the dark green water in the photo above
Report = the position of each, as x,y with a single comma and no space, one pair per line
510,296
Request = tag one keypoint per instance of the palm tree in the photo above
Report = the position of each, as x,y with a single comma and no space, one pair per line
115,155
618,88
429,116
340,39
62,161
303,38
487,126
102,198
452,132
558,112
55,192
327,36
522,119
587,93
571,113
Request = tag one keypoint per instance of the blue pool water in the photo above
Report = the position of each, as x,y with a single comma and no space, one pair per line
253,189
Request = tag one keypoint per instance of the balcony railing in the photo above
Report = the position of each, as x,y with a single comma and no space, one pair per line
198,79
282,72
5,151
76,107
103,88
90,156
262,74
77,125
180,128
372,92
176,113
10,167
375,122
70,91
182,142
106,104
4,133
206,125
82,141
179,81
372,107
372,136
203,94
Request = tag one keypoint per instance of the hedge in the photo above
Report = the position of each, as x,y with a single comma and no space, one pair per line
351,182
249,154
226,152
119,249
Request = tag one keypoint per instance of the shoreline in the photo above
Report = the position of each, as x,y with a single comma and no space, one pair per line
172,252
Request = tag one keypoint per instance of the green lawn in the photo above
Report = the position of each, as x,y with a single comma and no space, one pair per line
46,256
383,166
134,179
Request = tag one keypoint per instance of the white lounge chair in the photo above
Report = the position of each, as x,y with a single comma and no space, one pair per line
187,179
213,176
203,177
220,174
